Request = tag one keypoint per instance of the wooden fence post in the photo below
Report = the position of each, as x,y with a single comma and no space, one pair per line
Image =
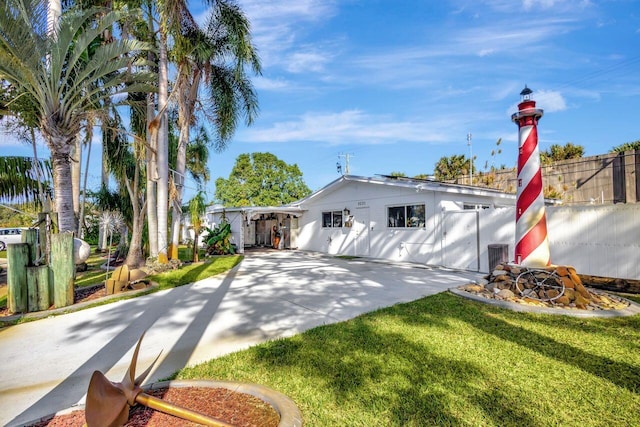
17,260
30,237
38,288
63,268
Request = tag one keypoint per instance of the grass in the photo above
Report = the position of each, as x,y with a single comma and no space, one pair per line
194,272
444,360
185,253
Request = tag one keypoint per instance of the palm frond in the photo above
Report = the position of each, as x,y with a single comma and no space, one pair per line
18,179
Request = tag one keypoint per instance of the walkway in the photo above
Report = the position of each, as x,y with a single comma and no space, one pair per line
46,364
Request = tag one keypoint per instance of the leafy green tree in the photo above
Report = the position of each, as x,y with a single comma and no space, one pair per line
558,152
63,83
451,167
17,215
261,179
398,174
627,146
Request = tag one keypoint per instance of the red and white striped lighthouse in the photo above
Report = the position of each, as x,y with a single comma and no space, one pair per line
532,245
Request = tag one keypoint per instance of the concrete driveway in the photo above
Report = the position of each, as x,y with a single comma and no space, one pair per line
45,365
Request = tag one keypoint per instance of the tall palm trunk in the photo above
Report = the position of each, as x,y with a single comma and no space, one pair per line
152,210
163,151
178,179
135,256
81,224
61,177
187,88
103,230
76,163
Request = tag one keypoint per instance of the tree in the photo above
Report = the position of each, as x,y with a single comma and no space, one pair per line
558,152
217,56
63,83
124,160
261,179
451,167
627,146
197,208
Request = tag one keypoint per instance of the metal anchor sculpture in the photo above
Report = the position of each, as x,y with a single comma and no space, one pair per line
108,403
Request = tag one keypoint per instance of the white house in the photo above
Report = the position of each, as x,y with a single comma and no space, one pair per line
435,223
386,217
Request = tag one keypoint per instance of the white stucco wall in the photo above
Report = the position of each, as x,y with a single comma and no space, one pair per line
370,234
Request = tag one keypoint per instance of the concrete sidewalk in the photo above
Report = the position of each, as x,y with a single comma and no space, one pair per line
46,365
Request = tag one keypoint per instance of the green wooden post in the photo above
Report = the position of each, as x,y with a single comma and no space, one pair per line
17,260
32,290
30,237
38,288
44,236
63,268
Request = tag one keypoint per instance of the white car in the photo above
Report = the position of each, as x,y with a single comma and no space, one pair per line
10,235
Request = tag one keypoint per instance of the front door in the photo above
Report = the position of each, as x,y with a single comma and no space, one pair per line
361,227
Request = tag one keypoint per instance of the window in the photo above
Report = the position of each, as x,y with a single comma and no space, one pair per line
415,216
396,216
332,219
409,216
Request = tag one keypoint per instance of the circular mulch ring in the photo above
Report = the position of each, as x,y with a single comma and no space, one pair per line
629,308
238,404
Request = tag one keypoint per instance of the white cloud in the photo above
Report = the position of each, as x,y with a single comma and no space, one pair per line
548,100
510,6
264,83
551,101
302,62
276,24
349,127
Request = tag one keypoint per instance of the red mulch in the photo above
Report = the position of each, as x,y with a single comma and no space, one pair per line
238,409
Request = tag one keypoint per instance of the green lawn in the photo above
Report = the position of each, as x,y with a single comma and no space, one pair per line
446,361
95,275
197,271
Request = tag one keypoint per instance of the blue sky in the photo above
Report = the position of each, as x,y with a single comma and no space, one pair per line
399,84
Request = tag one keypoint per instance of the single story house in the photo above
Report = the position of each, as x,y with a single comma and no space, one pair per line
394,218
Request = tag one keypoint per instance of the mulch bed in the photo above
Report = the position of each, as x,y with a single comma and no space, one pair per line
80,295
238,409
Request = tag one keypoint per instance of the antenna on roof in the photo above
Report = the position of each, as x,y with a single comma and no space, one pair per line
346,157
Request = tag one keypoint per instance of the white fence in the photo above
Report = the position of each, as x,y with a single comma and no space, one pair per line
601,240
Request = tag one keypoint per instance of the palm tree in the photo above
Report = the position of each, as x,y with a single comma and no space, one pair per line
197,208
125,162
451,167
60,78
218,56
